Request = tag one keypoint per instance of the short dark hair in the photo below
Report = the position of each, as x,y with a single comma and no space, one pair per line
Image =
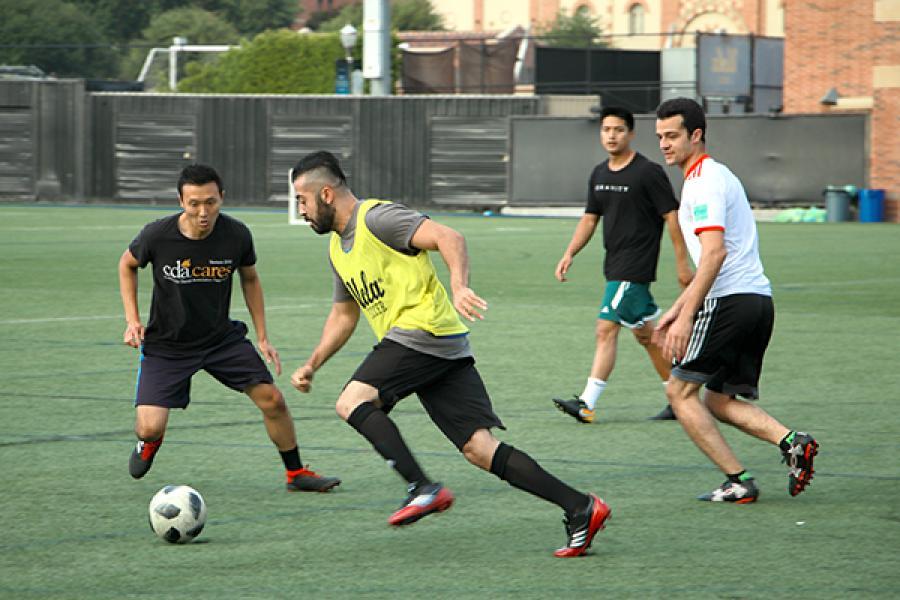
617,111
197,174
691,114
319,160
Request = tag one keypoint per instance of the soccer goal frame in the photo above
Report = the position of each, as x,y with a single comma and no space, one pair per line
294,217
179,45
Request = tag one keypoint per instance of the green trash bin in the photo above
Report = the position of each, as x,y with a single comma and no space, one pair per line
837,202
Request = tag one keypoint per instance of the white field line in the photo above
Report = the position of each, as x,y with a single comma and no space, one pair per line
136,227
110,317
68,228
787,286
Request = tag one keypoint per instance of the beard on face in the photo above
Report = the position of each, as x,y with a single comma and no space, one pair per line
324,215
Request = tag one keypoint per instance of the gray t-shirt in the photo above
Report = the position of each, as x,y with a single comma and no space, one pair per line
394,225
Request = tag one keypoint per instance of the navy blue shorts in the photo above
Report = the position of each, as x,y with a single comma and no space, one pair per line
166,381
451,391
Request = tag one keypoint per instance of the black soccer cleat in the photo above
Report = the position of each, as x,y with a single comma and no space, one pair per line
305,480
743,492
799,459
575,408
666,414
142,457
421,502
582,526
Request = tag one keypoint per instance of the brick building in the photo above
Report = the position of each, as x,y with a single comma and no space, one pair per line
850,51
647,24
308,8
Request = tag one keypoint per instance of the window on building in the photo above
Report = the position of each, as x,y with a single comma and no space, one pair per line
636,18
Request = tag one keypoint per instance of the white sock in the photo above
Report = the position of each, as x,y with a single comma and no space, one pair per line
592,390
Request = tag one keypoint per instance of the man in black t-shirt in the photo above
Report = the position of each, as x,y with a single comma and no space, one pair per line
635,198
194,255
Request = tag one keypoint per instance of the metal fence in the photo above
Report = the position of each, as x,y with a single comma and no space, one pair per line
58,142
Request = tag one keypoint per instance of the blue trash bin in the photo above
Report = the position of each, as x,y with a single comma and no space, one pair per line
871,206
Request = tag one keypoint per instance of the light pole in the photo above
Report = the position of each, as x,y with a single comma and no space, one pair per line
377,46
345,83
348,41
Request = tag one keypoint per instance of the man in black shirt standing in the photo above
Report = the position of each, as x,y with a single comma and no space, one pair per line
635,198
195,254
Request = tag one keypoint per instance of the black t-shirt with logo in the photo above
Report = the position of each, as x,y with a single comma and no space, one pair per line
192,283
632,202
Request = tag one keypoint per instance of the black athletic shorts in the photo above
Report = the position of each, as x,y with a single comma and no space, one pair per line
451,391
166,381
728,343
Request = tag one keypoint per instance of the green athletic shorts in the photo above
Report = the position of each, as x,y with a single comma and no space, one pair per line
629,304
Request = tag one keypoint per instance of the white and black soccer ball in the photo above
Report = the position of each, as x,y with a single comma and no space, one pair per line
177,513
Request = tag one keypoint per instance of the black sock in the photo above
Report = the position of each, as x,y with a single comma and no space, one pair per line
739,477
785,443
521,471
384,436
291,459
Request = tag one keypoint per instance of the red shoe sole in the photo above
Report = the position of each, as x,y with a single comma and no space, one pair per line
600,516
410,514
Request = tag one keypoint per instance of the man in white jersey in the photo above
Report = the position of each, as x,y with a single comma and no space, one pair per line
717,331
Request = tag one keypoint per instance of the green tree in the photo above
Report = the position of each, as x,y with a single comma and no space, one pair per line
318,17
351,13
274,62
415,15
120,20
123,20
576,31
254,16
197,25
55,36
406,15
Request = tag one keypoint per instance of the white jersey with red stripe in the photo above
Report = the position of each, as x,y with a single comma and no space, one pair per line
713,198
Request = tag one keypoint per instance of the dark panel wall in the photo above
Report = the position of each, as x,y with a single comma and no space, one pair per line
783,159
233,135
627,78
52,161
59,142
253,140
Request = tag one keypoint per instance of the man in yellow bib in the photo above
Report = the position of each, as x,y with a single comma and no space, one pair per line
379,254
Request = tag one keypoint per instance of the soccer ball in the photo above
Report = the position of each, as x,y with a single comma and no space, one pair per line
177,513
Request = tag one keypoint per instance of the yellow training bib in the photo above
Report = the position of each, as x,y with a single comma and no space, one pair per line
393,289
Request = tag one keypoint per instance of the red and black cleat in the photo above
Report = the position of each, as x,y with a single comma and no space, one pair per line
305,480
421,502
142,457
581,528
799,458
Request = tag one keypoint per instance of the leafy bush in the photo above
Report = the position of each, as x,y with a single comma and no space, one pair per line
274,62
